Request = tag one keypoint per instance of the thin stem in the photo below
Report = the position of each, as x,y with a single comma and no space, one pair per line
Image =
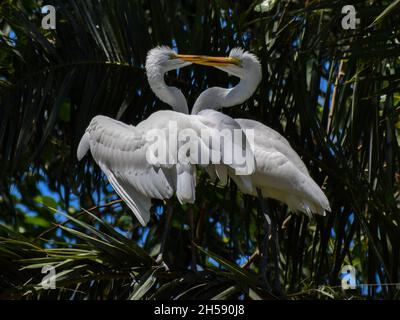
108,204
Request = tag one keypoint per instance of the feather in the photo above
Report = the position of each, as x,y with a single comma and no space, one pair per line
83,146
186,183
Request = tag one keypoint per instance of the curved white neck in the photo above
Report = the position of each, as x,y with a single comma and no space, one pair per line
170,95
216,98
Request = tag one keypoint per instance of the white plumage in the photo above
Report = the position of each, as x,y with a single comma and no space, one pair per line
280,173
120,151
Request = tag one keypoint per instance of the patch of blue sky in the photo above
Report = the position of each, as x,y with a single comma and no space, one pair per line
213,262
174,45
242,260
296,43
60,218
321,100
74,200
125,233
329,102
59,232
97,198
378,281
323,84
69,240
334,137
159,210
12,38
364,289
143,237
26,210
219,228
109,188
222,23
327,65
45,190
246,36
350,220
109,218
69,225
48,245
14,191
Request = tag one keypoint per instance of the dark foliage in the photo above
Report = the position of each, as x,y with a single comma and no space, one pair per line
333,93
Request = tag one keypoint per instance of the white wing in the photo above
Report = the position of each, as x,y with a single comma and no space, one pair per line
278,178
279,172
120,151
218,121
270,139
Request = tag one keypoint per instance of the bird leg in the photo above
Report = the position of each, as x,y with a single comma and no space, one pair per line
275,253
267,226
270,226
193,262
165,236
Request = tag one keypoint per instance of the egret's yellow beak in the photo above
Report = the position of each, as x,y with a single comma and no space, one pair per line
208,60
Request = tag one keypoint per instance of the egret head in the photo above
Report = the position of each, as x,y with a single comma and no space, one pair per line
239,63
159,61
163,59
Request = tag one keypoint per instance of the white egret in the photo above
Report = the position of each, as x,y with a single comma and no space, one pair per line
121,150
160,60
280,173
